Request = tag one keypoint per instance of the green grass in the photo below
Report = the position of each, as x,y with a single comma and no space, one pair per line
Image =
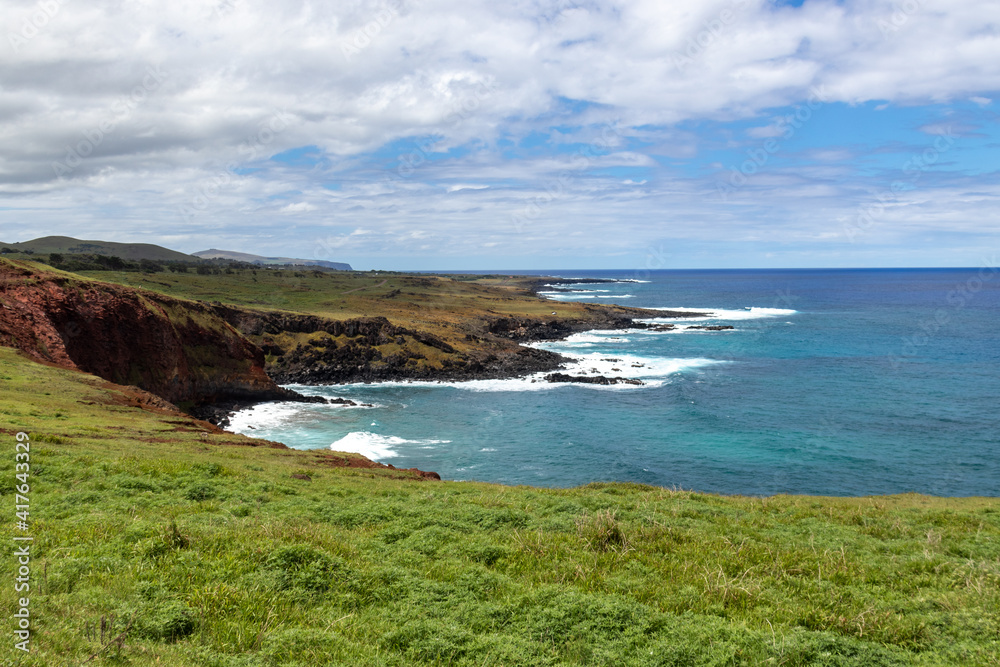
218,556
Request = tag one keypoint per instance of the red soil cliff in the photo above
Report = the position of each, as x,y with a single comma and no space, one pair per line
177,349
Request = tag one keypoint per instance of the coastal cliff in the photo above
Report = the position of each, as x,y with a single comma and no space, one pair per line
174,348
214,357
307,349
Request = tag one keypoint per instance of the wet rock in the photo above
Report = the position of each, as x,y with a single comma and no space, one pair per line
591,379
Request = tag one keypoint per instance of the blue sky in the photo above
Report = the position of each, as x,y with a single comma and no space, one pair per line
529,135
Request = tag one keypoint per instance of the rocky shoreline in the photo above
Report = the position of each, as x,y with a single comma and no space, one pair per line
536,285
324,361
219,413
211,359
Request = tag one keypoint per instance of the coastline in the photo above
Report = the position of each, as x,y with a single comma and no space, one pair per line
518,362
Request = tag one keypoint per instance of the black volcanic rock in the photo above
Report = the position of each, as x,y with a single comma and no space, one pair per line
527,329
594,379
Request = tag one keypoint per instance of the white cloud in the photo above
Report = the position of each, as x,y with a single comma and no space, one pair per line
240,81
299,207
767,131
466,186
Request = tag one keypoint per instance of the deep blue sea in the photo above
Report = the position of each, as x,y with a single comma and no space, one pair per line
833,382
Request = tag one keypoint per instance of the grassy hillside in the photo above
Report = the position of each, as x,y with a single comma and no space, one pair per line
69,245
442,305
214,552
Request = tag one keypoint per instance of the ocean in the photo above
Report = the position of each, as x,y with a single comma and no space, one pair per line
832,382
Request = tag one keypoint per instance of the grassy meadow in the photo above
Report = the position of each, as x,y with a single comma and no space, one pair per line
211,551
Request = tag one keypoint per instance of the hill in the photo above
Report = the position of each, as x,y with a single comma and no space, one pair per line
214,253
199,547
68,245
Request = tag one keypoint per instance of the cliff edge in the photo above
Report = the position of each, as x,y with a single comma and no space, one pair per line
175,348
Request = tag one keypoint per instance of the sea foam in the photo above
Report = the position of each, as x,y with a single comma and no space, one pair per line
752,313
576,295
264,415
651,371
375,446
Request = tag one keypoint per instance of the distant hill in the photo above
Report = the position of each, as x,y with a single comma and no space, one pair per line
69,245
135,251
214,253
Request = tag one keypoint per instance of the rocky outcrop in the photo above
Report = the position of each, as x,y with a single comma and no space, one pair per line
672,327
358,350
357,361
177,349
372,349
526,329
590,379
368,331
373,330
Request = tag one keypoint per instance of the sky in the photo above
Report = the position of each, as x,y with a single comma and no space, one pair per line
529,134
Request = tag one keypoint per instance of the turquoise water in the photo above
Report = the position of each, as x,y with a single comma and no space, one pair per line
838,382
